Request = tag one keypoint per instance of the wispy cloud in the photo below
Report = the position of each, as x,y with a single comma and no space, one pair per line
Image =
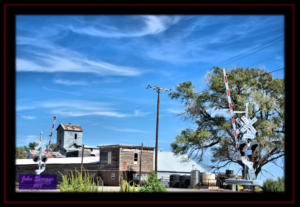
78,108
144,25
70,82
61,91
28,117
51,57
24,107
46,62
175,111
138,113
129,130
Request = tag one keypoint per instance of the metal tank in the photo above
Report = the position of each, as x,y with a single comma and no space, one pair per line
195,178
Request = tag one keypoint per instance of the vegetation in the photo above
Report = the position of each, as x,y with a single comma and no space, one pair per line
32,145
53,147
22,152
207,109
153,184
273,185
78,182
128,188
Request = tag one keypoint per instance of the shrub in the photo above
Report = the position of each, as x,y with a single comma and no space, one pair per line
127,187
273,185
78,182
153,184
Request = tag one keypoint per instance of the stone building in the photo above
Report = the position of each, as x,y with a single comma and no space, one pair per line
119,162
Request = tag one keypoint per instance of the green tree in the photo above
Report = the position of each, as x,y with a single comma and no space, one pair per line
32,145
53,147
273,185
21,152
207,109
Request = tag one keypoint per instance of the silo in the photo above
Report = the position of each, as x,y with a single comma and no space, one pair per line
195,178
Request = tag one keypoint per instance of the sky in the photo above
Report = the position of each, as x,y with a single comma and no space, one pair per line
93,71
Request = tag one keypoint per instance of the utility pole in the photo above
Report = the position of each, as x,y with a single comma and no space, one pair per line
141,153
157,89
82,152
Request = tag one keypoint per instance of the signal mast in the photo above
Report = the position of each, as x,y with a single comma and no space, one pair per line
244,141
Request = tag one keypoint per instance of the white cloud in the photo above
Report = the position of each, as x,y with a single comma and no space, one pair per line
75,64
129,130
70,82
175,111
78,108
28,117
151,25
139,113
23,107
50,57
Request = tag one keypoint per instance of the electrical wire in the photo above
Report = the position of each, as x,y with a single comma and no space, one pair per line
252,51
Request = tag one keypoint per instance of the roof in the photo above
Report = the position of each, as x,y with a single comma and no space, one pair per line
67,160
126,146
169,162
70,127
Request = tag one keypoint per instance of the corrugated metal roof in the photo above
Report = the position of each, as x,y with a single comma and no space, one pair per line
70,127
67,160
168,161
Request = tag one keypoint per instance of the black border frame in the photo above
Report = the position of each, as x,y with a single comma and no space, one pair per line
9,12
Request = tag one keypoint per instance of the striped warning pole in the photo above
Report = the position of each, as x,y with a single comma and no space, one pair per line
54,118
231,108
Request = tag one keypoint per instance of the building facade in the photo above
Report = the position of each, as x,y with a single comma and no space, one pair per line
69,137
127,162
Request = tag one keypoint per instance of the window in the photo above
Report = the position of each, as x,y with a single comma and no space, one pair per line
136,157
108,157
113,175
75,136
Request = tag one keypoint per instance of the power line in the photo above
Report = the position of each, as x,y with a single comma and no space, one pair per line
252,51
260,62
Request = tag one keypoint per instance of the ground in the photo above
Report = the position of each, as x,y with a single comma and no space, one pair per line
117,189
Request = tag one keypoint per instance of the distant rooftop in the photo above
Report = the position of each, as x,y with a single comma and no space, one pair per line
168,161
126,146
70,127
67,160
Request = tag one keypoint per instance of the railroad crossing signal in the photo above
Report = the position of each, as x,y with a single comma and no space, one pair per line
246,124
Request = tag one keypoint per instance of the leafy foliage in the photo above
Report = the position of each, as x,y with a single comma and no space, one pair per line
209,109
127,187
33,145
153,184
21,152
273,185
53,147
78,182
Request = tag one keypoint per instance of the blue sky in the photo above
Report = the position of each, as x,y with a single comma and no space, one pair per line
93,70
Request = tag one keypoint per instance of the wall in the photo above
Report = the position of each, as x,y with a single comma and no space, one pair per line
114,159
127,160
69,138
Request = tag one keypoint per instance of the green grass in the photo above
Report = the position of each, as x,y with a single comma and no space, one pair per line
78,181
